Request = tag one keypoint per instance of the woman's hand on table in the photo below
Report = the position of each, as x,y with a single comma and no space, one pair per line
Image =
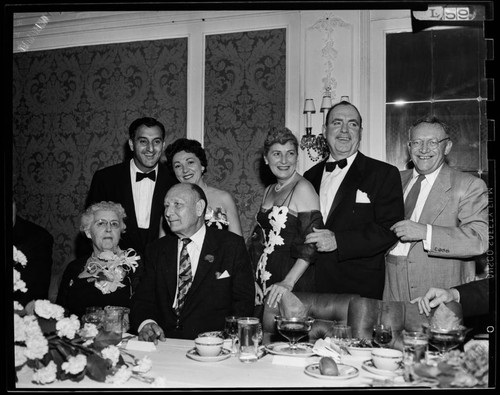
151,332
276,291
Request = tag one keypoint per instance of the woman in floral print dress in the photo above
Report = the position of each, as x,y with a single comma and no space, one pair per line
289,211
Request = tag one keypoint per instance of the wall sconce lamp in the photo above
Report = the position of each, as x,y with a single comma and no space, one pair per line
309,141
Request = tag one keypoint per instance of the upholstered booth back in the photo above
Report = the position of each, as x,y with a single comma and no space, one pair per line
358,312
364,313
324,308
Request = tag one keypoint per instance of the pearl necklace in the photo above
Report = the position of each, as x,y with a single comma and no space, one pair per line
279,187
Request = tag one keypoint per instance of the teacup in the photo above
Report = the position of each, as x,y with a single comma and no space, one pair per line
387,358
209,346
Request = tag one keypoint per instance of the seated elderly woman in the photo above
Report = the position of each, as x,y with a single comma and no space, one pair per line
109,275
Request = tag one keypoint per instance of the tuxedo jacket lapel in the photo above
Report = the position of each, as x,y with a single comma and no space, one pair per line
128,198
347,187
317,176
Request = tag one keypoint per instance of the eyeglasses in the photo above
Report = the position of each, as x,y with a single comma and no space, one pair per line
103,224
432,144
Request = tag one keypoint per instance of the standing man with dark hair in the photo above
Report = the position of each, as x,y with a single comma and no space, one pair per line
139,185
360,199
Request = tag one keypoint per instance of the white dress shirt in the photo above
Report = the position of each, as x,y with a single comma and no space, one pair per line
402,248
330,183
143,195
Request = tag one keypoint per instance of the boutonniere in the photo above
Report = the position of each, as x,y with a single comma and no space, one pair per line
209,258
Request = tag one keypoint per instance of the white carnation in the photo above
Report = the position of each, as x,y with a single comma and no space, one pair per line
75,365
68,326
112,353
143,365
120,377
19,356
48,310
19,285
46,375
19,257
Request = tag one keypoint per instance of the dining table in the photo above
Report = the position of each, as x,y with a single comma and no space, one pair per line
172,365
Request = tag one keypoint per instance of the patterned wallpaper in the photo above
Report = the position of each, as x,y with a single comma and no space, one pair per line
71,112
245,76
72,108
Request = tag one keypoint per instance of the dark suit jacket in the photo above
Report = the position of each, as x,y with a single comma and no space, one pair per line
209,300
361,229
113,184
36,244
478,310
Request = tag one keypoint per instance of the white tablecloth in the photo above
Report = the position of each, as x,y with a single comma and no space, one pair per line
178,371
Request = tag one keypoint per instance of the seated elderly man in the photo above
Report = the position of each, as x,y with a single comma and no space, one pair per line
193,278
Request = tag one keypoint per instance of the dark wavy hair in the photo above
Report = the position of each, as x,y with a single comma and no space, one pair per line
146,121
187,145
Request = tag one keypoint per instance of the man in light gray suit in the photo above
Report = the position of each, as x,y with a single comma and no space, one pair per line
445,226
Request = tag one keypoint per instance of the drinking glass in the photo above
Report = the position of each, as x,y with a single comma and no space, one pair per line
414,351
382,335
248,334
231,330
293,329
94,315
445,340
341,334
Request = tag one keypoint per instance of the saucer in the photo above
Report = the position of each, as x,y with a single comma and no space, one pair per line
280,348
193,354
368,366
345,372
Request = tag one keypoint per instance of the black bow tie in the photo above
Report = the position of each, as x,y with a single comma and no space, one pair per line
330,166
141,176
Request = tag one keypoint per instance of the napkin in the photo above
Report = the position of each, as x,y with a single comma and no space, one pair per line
325,348
138,345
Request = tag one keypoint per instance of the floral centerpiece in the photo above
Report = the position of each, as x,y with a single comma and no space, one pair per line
56,347
108,269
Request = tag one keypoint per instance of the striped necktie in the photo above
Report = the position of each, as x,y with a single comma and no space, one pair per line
411,198
185,277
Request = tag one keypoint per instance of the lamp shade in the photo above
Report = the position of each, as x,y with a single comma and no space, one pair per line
326,103
309,106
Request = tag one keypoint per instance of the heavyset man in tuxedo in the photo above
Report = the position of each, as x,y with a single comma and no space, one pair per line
194,277
446,221
139,185
360,199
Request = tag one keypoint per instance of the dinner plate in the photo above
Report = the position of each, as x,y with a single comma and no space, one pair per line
345,372
304,349
193,354
368,365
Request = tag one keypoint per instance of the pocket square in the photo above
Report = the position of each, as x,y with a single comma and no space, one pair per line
362,197
220,276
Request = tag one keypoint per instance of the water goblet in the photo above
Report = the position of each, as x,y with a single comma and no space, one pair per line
231,329
382,335
445,340
293,329
341,334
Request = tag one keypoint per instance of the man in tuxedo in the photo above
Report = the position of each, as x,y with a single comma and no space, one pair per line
360,199
139,185
446,219
194,277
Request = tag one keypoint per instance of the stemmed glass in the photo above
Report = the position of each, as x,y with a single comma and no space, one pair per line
341,334
231,329
382,335
445,340
293,329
